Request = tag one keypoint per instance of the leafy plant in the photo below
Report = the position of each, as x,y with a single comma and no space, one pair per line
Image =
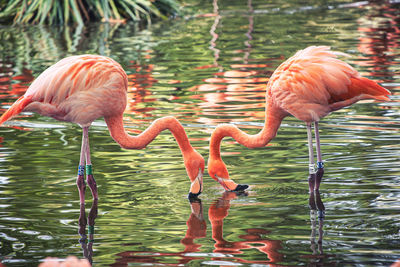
79,11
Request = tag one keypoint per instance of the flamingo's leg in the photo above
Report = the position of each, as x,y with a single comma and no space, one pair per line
89,170
320,163
80,180
311,178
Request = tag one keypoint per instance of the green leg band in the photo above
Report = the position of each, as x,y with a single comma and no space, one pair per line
89,170
91,229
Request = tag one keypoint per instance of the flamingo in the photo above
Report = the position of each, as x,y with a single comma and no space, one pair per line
309,85
69,261
81,89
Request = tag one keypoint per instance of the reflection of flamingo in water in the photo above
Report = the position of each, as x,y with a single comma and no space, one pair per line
196,229
83,88
309,86
217,212
317,212
87,244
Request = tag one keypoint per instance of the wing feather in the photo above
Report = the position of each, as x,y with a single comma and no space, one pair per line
79,89
72,75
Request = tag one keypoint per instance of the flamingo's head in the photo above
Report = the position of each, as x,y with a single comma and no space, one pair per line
218,171
194,164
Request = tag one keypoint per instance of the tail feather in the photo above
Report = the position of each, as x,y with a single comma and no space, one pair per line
366,86
16,108
363,87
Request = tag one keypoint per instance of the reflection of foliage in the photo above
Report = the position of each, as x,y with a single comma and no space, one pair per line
27,51
40,46
78,11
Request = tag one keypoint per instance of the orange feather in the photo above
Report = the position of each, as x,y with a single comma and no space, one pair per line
360,86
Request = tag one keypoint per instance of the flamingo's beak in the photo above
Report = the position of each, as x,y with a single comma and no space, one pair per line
197,186
228,184
222,182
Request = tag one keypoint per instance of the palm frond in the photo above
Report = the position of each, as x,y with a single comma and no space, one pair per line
79,11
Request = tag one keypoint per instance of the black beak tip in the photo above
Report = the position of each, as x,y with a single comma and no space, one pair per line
241,187
193,197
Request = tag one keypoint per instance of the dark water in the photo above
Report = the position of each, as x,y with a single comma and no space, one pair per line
206,69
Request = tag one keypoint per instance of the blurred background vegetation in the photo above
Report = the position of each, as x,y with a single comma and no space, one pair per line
81,11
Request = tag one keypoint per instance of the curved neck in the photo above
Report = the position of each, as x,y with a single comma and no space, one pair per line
273,119
118,133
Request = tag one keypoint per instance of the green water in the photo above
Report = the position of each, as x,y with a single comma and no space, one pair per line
208,68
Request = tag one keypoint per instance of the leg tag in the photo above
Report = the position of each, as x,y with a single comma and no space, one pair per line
89,170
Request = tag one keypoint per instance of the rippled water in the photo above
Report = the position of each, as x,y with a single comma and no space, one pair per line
209,68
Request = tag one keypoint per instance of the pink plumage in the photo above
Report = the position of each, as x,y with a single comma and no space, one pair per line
314,82
79,89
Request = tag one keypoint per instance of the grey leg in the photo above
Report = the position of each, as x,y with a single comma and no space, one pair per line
311,168
80,180
89,171
320,163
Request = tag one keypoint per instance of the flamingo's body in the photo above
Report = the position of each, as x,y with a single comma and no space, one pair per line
309,86
81,89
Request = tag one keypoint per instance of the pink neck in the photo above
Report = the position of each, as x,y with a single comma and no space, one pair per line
118,133
273,119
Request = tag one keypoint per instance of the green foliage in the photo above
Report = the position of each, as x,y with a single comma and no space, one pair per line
79,11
